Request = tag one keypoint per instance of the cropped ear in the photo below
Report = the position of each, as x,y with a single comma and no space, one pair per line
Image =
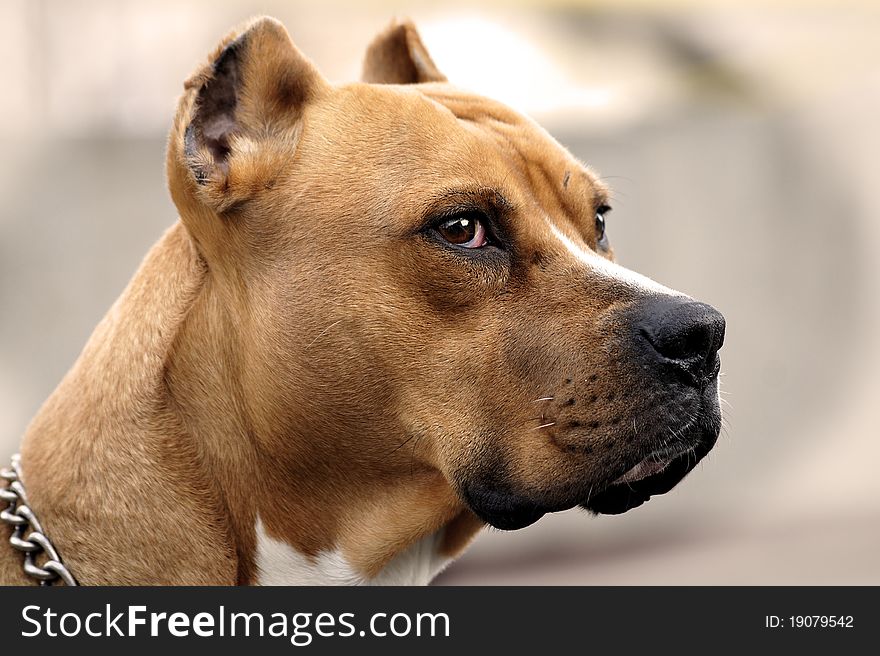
238,120
398,56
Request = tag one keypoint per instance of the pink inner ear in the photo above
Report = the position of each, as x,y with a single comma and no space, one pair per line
215,135
214,118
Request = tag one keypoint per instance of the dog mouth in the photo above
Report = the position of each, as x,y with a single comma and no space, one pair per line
654,475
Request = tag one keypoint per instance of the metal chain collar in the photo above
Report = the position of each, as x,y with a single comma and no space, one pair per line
21,518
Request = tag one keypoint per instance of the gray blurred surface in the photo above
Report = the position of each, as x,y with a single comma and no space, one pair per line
740,146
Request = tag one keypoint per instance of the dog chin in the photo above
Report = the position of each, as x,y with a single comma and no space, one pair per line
502,510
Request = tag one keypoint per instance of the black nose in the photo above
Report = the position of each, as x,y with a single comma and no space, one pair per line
684,333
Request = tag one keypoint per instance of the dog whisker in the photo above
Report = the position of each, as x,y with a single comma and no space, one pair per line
547,425
543,398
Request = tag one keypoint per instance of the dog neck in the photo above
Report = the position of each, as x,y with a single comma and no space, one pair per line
145,459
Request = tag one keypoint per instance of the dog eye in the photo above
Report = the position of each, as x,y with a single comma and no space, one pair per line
601,237
465,230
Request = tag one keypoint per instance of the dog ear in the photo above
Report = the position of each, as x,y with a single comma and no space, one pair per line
239,119
398,56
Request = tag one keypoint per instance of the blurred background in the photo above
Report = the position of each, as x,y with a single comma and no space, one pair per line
741,141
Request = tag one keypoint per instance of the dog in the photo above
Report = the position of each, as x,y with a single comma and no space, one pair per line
388,315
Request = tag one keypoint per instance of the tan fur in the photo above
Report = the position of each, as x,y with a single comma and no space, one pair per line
398,56
296,349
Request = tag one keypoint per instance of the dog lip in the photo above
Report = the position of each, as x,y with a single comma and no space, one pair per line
651,465
645,468
652,476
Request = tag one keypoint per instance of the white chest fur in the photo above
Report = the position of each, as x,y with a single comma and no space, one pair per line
280,564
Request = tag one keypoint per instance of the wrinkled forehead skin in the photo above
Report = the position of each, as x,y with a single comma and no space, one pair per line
415,144
529,165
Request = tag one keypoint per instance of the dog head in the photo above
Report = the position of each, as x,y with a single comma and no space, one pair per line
421,280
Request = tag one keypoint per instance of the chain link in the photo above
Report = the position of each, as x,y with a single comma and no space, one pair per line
21,518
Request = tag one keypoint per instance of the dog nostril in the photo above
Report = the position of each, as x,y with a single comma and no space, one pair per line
685,332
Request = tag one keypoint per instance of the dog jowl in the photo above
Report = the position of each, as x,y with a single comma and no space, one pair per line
390,313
